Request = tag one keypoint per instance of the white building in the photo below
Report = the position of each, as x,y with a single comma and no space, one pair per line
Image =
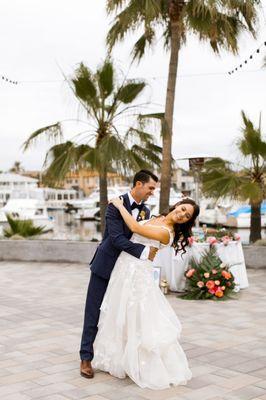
183,181
10,182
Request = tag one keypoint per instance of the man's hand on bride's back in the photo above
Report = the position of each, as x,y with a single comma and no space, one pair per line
152,253
117,202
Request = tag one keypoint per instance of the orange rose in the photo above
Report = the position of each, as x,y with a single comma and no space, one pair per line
210,284
226,274
219,293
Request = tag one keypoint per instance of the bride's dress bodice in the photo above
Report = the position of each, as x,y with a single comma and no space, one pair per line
136,238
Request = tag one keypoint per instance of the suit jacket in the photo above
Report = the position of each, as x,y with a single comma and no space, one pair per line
116,238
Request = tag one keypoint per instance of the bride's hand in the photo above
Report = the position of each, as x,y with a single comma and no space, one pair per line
117,202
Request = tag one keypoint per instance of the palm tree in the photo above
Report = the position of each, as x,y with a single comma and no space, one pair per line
219,179
216,21
104,148
17,168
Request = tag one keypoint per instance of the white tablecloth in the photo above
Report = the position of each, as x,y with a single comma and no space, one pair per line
174,266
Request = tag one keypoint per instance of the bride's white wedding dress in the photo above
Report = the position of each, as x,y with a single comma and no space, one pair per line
138,330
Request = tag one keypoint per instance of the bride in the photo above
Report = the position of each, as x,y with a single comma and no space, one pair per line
138,330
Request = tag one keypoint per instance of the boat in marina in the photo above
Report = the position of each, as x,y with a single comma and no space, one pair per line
27,205
240,217
230,214
153,202
89,208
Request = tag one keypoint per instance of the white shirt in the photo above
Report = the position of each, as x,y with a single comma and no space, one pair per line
145,253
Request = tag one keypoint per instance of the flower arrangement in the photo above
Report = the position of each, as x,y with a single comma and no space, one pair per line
209,279
217,236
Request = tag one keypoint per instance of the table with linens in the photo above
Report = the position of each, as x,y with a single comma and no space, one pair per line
173,266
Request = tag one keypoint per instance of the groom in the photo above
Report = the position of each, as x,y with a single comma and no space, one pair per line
116,239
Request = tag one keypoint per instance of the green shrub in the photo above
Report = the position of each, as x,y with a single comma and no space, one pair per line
24,228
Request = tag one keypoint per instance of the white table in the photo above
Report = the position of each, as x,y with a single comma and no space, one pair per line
174,266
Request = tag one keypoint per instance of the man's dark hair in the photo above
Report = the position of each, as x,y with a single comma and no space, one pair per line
144,176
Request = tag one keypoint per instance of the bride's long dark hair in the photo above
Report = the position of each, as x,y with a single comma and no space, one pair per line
183,231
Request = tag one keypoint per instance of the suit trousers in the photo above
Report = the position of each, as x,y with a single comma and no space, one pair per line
96,290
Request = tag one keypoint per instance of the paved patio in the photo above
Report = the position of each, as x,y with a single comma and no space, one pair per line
41,310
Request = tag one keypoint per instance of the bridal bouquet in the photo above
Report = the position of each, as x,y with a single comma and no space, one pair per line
209,279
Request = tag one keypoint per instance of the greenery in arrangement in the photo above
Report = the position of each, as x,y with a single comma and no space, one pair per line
104,146
209,279
23,228
220,178
217,22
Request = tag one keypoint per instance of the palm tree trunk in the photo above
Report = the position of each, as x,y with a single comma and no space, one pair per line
103,195
169,113
255,222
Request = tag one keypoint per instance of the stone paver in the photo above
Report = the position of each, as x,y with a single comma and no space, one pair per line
41,315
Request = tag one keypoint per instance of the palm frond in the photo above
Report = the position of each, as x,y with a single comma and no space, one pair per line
146,39
251,144
61,159
130,91
51,133
106,78
85,85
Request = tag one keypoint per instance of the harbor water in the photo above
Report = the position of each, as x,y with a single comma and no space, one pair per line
69,228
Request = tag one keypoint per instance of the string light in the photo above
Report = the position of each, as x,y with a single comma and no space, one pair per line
4,78
257,51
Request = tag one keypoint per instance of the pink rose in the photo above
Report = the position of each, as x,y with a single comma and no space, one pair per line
223,287
212,291
217,283
190,273
200,284
236,236
214,271
211,240
225,240
190,240
206,275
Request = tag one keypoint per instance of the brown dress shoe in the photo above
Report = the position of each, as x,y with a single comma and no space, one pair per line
86,369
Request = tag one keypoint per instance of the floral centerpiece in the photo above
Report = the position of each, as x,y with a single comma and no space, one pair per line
209,279
215,236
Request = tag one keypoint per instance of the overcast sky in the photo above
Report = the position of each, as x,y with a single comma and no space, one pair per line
37,38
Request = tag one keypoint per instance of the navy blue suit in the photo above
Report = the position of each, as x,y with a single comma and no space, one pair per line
116,239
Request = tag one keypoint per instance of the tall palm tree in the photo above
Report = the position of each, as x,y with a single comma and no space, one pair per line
218,22
219,179
104,147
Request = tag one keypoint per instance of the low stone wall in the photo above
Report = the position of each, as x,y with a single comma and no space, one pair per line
255,256
81,252
47,250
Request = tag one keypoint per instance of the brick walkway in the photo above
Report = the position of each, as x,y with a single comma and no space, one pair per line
41,313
